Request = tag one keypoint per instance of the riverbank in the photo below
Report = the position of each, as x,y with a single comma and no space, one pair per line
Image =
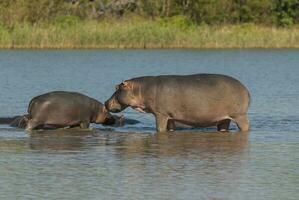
146,34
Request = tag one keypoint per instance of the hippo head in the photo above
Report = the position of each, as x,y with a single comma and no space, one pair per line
103,116
124,96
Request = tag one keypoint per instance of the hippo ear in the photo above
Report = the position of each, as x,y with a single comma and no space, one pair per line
127,85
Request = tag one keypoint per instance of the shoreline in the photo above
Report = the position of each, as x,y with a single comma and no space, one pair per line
151,48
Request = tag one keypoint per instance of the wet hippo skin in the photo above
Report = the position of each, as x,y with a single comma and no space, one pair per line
65,109
199,100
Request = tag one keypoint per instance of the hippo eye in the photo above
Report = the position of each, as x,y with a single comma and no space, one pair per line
116,87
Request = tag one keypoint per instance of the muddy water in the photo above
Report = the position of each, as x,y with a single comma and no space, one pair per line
134,163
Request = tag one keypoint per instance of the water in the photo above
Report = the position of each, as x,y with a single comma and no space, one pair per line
132,162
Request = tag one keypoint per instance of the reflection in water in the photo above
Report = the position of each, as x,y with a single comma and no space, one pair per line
131,144
184,143
59,140
178,144
189,159
129,165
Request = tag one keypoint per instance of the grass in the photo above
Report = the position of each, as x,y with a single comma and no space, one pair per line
140,33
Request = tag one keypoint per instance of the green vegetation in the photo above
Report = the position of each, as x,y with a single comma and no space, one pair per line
146,34
149,23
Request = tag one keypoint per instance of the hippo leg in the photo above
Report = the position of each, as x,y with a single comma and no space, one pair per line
161,123
170,125
32,124
84,125
223,125
242,122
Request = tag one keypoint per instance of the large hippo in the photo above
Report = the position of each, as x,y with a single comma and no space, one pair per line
199,100
62,109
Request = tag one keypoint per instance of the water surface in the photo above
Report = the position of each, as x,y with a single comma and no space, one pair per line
133,162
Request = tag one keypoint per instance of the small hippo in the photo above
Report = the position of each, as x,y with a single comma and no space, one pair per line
66,109
199,100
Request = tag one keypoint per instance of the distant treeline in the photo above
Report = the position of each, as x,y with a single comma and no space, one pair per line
149,23
210,12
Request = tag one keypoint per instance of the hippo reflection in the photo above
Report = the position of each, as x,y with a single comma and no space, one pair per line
180,144
199,144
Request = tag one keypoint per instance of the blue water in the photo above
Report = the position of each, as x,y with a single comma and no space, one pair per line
133,162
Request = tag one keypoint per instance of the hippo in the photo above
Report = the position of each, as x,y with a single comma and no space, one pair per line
197,100
65,109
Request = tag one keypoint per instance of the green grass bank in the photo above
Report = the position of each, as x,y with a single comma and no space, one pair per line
136,33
